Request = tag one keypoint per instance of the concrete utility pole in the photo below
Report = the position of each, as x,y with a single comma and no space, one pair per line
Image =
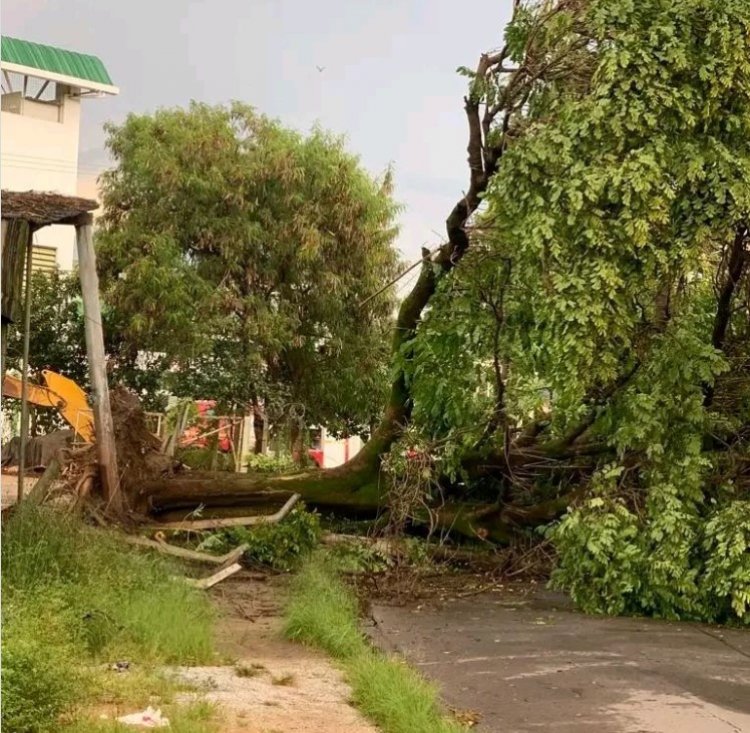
105,436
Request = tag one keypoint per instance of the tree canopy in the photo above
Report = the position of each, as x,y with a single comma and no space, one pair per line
240,251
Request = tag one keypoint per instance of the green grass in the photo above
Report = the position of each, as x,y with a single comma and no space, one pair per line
75,598
322,612
395,696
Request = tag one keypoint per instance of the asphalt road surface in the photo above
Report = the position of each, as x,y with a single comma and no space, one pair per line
525,663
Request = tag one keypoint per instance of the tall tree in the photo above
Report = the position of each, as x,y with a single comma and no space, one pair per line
240,251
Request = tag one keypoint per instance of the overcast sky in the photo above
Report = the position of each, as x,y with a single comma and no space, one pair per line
388,84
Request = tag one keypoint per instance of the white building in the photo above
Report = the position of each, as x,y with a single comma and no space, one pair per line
42,89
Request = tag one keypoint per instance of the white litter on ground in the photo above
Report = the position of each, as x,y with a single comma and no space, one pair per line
148,718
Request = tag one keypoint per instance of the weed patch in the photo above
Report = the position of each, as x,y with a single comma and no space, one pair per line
74,599
395,696
322,612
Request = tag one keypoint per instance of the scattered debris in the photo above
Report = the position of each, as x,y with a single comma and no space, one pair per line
467,718
148,718
217,577
229,558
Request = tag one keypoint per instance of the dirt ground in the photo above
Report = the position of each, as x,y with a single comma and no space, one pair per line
10,486
270,685
525,661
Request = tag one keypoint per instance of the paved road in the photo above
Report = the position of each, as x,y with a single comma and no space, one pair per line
527,665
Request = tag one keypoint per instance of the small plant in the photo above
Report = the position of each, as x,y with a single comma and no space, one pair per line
284,680
280,546
249,670
357,557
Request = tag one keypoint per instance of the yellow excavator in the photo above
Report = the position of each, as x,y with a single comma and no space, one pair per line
59,393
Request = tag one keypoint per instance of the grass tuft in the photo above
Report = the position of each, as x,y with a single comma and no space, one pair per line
395,696
249,670
322,612
284,680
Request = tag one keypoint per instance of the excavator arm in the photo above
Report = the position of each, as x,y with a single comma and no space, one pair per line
59,393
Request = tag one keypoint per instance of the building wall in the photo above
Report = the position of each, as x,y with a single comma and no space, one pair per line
337,451
40,152
88,188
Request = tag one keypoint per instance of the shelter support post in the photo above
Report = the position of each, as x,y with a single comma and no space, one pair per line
25,371
105,440
4,326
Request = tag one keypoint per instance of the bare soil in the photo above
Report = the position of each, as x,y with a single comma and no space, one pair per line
267,684
10,485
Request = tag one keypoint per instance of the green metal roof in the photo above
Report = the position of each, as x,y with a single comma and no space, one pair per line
56,60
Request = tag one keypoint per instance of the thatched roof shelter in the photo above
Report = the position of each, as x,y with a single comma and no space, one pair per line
42,208
23,212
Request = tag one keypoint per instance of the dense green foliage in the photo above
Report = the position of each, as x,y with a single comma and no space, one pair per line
58,343
57,338
239,250
280,546
602,291
74,598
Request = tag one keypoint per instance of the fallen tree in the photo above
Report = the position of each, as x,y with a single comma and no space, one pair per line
579,345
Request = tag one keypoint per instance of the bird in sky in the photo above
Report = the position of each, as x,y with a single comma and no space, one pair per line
320,68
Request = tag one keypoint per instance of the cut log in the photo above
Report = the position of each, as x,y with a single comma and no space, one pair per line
41,488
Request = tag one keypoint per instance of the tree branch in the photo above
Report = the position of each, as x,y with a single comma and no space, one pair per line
735,265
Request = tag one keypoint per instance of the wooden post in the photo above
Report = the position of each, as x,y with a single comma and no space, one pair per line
4,324
105,438
16,235
25,372
247,439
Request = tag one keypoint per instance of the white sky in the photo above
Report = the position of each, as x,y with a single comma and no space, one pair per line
389,82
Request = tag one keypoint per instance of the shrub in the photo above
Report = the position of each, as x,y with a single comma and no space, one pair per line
200,459
265,463
726,579
280,546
